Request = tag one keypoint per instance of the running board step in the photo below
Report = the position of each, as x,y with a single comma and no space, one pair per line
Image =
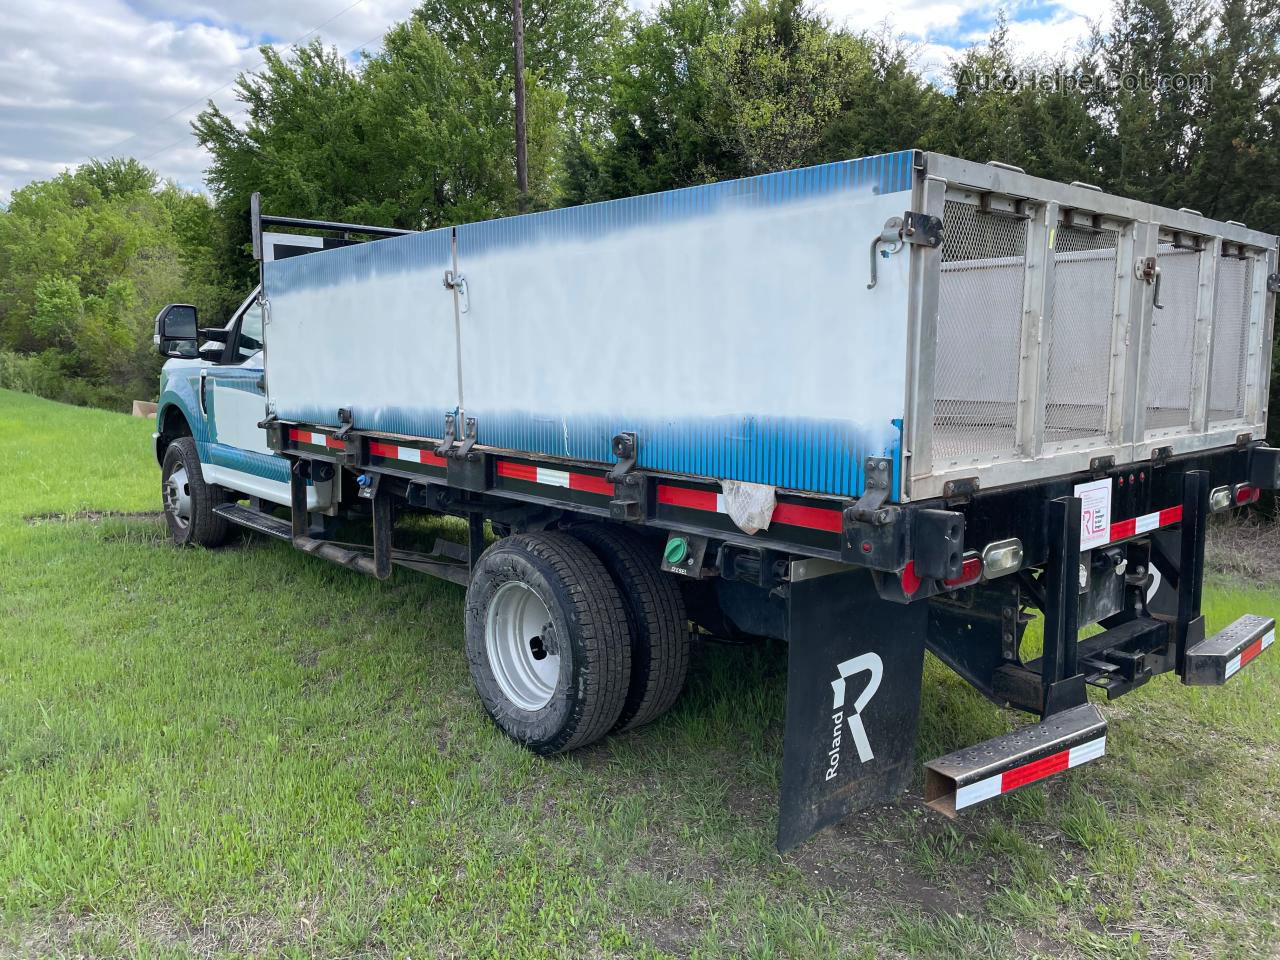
1215,660
253,519
1006,763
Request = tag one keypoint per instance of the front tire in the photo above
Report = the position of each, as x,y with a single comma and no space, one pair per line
188,500
547,641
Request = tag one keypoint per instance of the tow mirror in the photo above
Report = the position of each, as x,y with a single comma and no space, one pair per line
177,331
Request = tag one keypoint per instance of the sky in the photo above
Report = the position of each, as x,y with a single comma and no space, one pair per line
101,78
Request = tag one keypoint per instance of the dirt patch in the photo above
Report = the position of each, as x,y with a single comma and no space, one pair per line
863,855
90,516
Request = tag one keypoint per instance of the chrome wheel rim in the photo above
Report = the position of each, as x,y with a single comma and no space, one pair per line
177,495
522,650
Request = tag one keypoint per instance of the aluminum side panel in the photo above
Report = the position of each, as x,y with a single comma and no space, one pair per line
729,325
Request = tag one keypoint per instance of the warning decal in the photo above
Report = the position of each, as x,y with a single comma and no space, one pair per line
1095,513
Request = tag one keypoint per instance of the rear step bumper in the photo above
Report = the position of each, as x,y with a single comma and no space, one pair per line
1006,763
1217,659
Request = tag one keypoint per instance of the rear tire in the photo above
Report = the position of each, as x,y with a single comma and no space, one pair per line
547,641
188,500
656,617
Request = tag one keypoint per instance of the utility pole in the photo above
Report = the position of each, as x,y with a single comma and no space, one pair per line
522,153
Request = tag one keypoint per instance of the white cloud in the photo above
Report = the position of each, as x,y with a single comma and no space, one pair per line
83,78
86,78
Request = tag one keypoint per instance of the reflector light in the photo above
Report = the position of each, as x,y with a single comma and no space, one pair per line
1219,498
1247,493
1001,557
970,571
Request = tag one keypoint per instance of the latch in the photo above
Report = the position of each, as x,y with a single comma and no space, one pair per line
1144,268
629,485
457,283
1273,283
346,423
917,228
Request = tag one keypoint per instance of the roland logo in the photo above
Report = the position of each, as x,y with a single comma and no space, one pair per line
868,663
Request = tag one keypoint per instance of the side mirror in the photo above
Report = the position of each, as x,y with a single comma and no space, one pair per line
177,331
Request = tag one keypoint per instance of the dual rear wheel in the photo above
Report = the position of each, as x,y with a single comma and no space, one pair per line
572,635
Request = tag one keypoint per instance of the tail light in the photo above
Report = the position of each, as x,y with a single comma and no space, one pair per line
1220,498
1246,493
970,571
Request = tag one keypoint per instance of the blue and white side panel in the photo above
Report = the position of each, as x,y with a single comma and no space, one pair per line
368,327
728,325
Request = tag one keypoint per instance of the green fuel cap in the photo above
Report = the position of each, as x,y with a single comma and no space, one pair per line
677,550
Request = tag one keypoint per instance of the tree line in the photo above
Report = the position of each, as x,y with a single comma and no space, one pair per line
1175,101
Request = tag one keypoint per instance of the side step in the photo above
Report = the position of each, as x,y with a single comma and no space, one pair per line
1006,763
448,560
1215,660
253,519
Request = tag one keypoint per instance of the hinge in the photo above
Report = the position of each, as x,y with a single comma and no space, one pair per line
960,487
450,435
878,478
468,439
1273,283
922,228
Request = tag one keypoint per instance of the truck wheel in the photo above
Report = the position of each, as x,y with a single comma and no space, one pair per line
656,617
188,500
547,642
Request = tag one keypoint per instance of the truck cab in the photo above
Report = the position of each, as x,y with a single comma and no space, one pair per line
212,392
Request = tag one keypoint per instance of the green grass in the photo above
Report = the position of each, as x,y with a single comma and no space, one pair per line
248,752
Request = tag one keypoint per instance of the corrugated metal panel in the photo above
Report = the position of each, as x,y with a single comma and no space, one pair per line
388,353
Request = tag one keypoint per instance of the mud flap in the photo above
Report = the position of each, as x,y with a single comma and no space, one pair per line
855,667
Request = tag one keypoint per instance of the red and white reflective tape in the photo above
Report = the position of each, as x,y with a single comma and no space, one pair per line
316,439
790,514
1011,780
1124,529
1249,652
409,454
529,473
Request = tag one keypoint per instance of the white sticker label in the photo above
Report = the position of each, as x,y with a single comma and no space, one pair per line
1095,513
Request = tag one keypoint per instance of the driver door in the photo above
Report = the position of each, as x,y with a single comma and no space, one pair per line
232,398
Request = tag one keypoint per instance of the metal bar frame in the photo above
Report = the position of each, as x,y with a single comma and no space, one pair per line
1261,321
1204,335
1058,668
929,197
1033,375
258,219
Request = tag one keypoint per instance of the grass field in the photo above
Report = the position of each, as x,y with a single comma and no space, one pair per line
250,753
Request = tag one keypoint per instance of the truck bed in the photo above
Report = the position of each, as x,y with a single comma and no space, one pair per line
733,329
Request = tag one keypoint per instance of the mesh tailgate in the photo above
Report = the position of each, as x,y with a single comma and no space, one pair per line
1081,311
1171,361
979,335
1232,307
